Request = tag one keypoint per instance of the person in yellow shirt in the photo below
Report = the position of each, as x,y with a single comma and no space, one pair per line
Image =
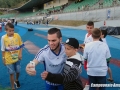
11,47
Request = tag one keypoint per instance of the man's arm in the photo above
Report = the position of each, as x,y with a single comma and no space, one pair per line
62,78
108,54
38,58
20,54
85,55
3,57
81,46
85,64
36,61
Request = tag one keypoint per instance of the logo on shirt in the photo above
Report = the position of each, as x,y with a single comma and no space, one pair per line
51,65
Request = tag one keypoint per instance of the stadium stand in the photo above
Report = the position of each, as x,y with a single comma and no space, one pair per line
50,10
71,7
27,14
49,7
107,3
7,15
82,5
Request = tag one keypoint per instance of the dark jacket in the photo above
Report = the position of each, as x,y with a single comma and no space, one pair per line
70,77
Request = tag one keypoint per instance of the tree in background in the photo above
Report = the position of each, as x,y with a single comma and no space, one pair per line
10,3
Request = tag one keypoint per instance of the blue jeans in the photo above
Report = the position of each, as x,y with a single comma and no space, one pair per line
52,87
97,80
14,68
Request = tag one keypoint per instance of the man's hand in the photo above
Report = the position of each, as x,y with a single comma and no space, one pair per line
44,75
29,70
81,47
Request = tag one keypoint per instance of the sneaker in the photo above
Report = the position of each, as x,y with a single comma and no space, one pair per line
86,87
110,80
17,84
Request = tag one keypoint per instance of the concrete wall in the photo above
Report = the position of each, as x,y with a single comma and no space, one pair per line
95,15
113,23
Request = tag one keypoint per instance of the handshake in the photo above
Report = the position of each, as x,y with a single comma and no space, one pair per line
81,47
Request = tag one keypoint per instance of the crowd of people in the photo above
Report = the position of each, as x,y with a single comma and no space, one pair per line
62,61
54,10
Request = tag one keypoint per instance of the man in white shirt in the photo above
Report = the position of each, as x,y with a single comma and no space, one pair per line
97,54
88,37
53,55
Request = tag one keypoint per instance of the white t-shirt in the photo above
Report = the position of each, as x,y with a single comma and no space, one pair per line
2,43
96,53
53,63
104,40
88,39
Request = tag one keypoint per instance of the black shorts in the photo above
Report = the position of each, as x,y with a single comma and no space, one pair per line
108,64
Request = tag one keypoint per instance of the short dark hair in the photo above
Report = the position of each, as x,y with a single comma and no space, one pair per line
104,32
90,23
96,33
55,30
9,25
